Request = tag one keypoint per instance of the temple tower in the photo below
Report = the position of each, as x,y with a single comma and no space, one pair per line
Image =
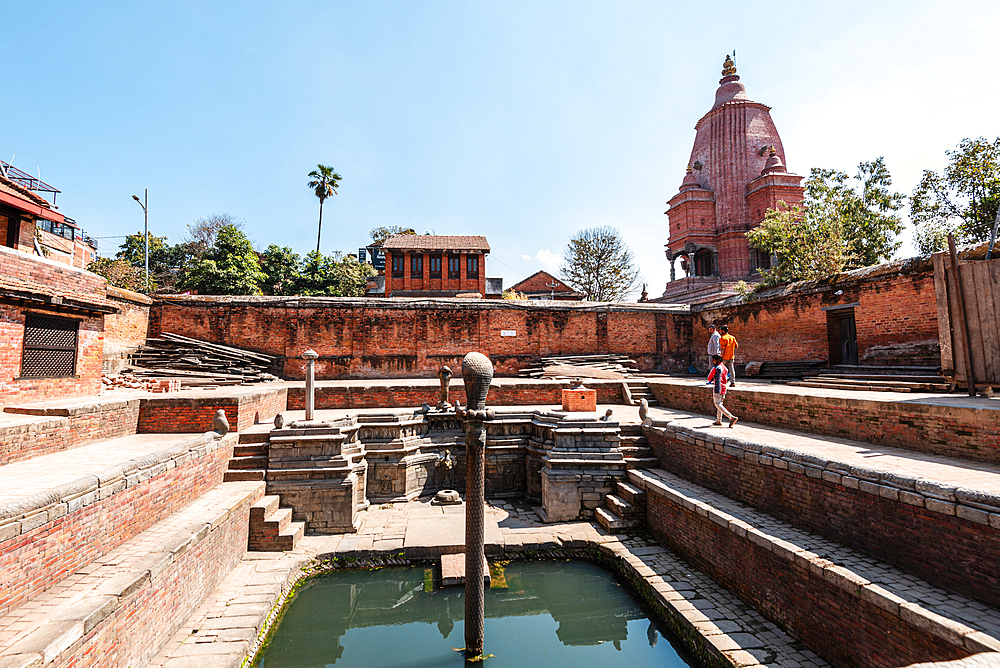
735,174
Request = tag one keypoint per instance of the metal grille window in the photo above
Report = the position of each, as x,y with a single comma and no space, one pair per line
49,346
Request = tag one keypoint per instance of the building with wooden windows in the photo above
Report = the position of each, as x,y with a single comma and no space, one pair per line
426,265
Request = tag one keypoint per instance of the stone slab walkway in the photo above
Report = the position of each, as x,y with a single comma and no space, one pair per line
20,479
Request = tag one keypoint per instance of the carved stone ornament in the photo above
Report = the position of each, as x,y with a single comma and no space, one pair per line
444,376
220,423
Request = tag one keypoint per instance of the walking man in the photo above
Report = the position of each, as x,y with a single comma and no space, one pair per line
713,345
729,345
717,379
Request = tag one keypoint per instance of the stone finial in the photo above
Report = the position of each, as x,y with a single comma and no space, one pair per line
728,67
643,410
477,373
773,163
279,421
310,354
220,423
607,415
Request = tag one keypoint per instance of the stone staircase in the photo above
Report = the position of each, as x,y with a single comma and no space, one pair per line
272,528
635,448
249,460
624,510
636,390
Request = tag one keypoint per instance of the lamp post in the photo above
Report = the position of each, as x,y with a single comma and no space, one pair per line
145,228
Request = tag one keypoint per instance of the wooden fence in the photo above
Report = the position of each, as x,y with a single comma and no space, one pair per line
979,282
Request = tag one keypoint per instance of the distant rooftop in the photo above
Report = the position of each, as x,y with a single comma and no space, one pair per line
430,242
27,181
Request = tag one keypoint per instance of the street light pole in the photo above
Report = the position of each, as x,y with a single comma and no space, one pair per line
145,227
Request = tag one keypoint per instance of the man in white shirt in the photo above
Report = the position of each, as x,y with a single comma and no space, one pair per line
714,348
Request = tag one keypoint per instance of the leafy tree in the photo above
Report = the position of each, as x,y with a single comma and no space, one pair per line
963,199
383,232
122,274
513,295
229,267
162,256
281,266
805,244
324,182
333,275
597,263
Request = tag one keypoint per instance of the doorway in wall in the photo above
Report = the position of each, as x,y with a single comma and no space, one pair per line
842,334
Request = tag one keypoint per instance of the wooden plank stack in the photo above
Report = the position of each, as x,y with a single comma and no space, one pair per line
558,366
199,363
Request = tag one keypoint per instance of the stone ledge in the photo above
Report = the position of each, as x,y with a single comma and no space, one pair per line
15,516
913,614
979,506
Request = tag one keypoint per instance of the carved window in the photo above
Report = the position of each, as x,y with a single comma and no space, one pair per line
49,346
434,266
703,263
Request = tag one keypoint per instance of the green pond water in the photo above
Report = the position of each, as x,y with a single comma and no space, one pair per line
566,613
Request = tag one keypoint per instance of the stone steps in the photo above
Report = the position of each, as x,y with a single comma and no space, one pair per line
624,510
809,564
272,528
103,607
639,390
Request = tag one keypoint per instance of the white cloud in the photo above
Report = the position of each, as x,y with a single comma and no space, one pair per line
548,259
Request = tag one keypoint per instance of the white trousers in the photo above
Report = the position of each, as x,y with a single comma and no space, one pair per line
720,410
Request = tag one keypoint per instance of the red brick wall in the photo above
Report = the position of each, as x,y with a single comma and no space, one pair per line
109,419
38,559
896,309
360,338
400,396
944,550
126,330
187,415
951,429
843,628
86,381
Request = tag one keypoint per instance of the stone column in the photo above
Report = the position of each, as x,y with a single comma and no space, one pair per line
310,356
477,372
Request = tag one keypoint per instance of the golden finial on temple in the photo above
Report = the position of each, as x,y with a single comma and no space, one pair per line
728,67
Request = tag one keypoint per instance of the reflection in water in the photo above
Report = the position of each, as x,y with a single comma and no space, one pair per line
551,614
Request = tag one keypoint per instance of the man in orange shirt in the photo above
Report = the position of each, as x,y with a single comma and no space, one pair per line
729,345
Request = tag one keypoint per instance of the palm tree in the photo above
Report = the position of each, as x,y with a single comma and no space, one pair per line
324,183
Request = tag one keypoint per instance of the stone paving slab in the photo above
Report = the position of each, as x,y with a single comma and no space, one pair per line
952,470
20,479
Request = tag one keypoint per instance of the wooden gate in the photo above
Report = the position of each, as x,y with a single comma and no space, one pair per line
979,282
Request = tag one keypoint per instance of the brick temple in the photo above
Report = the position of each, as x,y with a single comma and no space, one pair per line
735,174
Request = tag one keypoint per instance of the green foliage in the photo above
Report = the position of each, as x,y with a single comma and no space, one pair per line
229,267
281,266
964,199
333,275
383,232
162,256
324,182
805,244
202,233
512,294
122,274
597,263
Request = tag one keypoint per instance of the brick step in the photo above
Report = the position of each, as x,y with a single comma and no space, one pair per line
255,462
872,588
265,507
102,610
628,440
630,493
251,450
611,522
621,507
858,387
271,527
244,474
642,462
253,436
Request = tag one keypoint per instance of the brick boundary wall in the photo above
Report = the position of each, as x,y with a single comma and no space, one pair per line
403,396
403,337
942,429
185,415
901,520
126,330
49,535
57,429
134,633
843,627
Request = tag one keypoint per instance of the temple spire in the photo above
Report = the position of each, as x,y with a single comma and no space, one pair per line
728,67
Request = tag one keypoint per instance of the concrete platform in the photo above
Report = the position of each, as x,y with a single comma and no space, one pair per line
453,570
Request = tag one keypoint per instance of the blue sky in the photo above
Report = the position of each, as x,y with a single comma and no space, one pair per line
522,121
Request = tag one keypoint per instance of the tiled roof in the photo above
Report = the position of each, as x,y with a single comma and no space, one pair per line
30,291
432,242
540,282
